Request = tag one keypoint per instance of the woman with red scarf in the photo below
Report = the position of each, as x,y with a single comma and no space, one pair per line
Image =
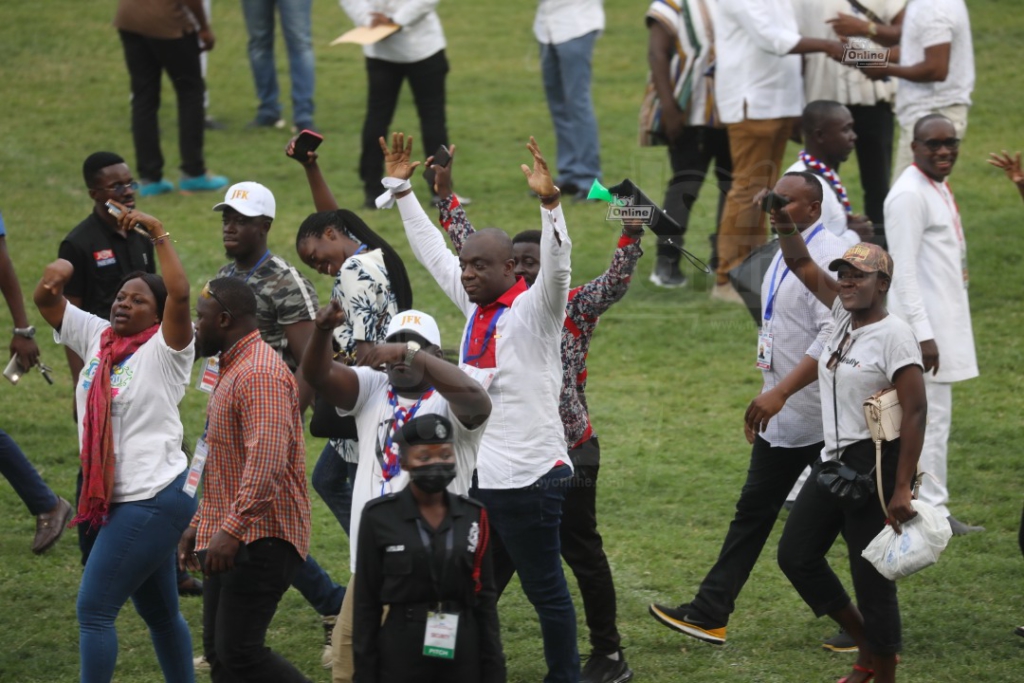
137,365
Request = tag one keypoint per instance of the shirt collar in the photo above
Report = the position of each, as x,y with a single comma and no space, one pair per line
238,349
509,296
410,510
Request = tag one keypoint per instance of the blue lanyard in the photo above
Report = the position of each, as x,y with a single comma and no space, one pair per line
488,335
234,268
770,306
360,250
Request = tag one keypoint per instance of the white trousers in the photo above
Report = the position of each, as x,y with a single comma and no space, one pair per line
936,442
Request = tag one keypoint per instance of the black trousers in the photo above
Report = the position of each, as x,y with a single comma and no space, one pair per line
874,126
770,476
693,150
147,59
401,650
238,607
583,549
426,79
813,525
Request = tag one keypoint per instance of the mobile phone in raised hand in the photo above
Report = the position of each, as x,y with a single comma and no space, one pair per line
117,213
306,142
441,158
773,202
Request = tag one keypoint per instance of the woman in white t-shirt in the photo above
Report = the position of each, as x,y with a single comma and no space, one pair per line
869,350
137,365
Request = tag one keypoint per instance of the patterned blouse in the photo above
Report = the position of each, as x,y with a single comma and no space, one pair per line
586,303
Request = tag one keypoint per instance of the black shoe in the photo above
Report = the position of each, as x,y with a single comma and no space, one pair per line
190,588
1019,631
666,274
840,642
604,669
685,620
210,123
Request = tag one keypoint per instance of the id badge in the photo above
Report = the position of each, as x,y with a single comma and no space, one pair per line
439,639
209,371
764,350
482,375
195,472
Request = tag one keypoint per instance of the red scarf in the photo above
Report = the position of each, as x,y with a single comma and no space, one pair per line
97,435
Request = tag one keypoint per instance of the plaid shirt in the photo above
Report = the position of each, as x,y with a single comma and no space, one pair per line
586,303
255,484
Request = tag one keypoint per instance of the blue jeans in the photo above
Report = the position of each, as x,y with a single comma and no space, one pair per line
298,39
333,479
566,71
27,483
319,589
135,557
526,540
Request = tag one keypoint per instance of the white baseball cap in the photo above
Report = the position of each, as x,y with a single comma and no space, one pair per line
418,323
249,199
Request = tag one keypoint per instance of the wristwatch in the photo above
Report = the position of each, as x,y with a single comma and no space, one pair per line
413,349
26,332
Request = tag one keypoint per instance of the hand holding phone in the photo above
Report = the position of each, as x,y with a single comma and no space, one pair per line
116,211
773,202
442,157
14,370
305,142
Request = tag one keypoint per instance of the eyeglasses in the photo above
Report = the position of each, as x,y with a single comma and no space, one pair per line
118,189
840,353
852,274
952,144
208,293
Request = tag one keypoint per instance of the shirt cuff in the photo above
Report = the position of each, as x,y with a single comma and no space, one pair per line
235,526
391,186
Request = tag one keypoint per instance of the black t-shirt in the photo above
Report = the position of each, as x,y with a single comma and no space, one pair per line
102,257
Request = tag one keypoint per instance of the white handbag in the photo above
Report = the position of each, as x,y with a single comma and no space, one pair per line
884,416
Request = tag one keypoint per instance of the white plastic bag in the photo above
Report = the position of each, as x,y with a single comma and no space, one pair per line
923,539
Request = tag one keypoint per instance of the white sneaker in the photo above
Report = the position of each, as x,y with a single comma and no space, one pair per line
726,293
201,664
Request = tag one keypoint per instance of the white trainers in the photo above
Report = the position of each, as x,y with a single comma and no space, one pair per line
726,293
201,664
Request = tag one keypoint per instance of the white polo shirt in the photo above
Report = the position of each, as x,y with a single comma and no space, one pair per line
421,35
525,437
559,21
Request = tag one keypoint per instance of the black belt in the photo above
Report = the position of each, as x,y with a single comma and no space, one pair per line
417,611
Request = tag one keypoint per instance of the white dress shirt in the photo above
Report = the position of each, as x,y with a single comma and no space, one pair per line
525,437
755,78
800,325
927,23
833,215
421,35
929,283
559,21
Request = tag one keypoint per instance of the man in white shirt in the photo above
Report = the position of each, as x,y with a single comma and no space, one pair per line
416,52
759,92
827,129
511,344
417,381
566,31
870,102
936,68
680,51
929,289
783,423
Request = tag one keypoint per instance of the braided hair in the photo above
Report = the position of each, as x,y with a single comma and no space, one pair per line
354,227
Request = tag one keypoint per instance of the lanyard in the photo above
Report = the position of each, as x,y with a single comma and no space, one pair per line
954,210
772,291
234,268
360,250
488,335
388,456
449,544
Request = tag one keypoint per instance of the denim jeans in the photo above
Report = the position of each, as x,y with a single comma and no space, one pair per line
566,71
318,588
525,524
27,483
135,557
333,479
298,40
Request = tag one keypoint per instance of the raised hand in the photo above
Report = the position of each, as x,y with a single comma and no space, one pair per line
443,175
311,156
539,177
1009,165
397,158
130,218
56,275
330,316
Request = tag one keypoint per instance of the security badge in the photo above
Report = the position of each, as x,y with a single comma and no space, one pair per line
764,350
439,639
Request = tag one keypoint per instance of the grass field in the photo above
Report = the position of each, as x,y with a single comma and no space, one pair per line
671,372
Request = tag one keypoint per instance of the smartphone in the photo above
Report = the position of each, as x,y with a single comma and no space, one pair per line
14,371
307,142
241,558
117,213
773,202
441,158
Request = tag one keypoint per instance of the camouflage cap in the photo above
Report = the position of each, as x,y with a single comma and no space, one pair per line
867,258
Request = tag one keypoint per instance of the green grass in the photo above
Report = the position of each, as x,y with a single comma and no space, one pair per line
671,373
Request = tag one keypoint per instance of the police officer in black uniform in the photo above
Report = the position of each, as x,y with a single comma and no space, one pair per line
423,554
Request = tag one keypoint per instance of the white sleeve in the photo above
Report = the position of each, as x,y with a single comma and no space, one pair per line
761,25
544,304
906,217
937,27
79,329
412,11
358,11
429,247
370,383
175,365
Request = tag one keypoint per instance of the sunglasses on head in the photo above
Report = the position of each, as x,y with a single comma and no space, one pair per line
951,144
208,293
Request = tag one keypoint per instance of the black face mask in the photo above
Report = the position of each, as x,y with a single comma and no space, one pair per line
433,478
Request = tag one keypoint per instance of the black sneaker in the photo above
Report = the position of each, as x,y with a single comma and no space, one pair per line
666,274
840,642
604,669
687,622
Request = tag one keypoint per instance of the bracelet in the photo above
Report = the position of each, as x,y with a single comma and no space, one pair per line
872,29
794,231
160,239
550,198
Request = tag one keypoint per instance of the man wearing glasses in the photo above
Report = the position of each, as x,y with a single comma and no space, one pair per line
926,241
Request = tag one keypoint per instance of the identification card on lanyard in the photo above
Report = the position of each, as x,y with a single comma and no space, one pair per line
195,472
764,335
209,371
764,350
439,639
